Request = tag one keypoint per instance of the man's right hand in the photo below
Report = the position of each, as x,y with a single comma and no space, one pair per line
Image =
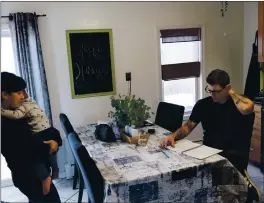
168,141
53,145
181,133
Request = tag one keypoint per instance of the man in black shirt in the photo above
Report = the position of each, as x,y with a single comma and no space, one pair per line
227,121
19,147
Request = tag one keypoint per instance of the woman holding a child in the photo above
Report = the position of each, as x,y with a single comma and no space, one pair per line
28,143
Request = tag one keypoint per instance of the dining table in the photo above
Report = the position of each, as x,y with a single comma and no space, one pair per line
135,173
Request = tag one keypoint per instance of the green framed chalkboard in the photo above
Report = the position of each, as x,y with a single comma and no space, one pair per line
91,62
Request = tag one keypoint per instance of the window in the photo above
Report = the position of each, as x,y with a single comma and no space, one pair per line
180,51
7,54
181,92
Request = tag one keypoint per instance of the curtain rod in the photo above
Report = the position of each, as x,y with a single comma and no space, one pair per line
44,15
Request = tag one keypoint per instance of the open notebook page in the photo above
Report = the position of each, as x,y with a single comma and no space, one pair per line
202,152
183,145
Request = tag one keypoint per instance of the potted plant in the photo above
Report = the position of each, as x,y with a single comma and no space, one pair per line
129,110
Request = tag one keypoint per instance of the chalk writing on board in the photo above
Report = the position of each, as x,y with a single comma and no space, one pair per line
89,52
90,71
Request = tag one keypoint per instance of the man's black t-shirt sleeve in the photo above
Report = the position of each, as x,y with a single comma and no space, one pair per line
197,112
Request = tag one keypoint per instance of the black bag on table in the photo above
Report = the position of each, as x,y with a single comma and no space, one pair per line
104,133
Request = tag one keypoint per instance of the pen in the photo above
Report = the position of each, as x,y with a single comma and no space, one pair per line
166,155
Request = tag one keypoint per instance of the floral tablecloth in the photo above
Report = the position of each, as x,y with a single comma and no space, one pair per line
143,174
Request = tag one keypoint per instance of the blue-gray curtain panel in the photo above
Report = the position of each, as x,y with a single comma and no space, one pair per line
28,57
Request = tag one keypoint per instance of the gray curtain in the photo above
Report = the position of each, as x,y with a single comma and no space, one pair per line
28,57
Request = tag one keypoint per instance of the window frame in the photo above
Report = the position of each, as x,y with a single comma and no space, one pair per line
199,81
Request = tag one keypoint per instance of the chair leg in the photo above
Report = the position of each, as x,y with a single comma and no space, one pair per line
79,175
80,189
75,177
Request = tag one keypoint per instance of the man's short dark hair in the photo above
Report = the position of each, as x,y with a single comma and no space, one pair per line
12,83
218,77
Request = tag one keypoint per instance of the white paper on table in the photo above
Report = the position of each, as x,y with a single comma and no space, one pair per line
202,152
183,145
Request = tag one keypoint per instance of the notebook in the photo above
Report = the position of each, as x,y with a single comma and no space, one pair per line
183,145
195,150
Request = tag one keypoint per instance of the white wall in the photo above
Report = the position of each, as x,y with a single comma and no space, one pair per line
135,40
250,28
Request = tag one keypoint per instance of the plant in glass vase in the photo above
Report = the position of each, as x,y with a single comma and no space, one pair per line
129,110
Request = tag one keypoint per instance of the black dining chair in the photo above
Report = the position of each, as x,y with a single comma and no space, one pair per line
90,175
66,124
169,116
67,128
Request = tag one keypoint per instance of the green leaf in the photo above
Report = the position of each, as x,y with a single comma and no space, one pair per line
129,110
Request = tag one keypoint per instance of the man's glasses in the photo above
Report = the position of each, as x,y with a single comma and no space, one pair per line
212,91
